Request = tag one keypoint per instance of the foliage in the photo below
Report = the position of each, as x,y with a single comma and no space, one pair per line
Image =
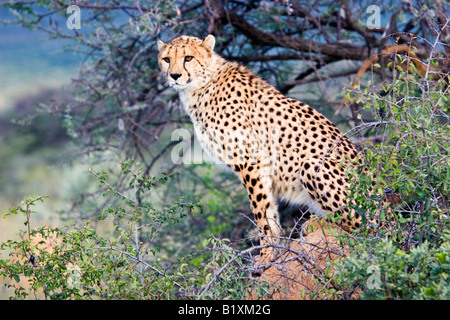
409,175
411,166
226,275
385,272
78,262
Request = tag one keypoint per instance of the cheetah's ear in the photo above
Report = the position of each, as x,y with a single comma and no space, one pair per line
161,45
209,42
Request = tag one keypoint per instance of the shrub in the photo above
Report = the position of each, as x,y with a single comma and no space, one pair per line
409,171
77,262
129,261
386,272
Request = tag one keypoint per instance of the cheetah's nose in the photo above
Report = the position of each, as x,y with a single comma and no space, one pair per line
175,76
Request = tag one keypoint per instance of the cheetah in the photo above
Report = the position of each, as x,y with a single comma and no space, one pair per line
280,148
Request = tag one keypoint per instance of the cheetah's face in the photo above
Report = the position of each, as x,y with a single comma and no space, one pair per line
186,61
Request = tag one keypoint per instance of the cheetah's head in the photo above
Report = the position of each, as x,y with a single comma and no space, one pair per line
186,61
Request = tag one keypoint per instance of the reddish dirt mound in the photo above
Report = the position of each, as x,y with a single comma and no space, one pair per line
303,269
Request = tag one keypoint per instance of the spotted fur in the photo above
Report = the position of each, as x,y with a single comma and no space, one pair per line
279,147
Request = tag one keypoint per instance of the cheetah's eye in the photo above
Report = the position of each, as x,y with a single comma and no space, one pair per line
188,58
167,60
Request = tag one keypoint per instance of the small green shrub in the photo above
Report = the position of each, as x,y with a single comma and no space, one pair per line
412,160
409,259
78,261
386,272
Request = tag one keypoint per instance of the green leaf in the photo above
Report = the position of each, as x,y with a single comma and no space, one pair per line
17,278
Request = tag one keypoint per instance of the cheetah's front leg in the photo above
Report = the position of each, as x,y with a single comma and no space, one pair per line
264,208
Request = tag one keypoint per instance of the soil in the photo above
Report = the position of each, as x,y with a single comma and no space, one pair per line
300,272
